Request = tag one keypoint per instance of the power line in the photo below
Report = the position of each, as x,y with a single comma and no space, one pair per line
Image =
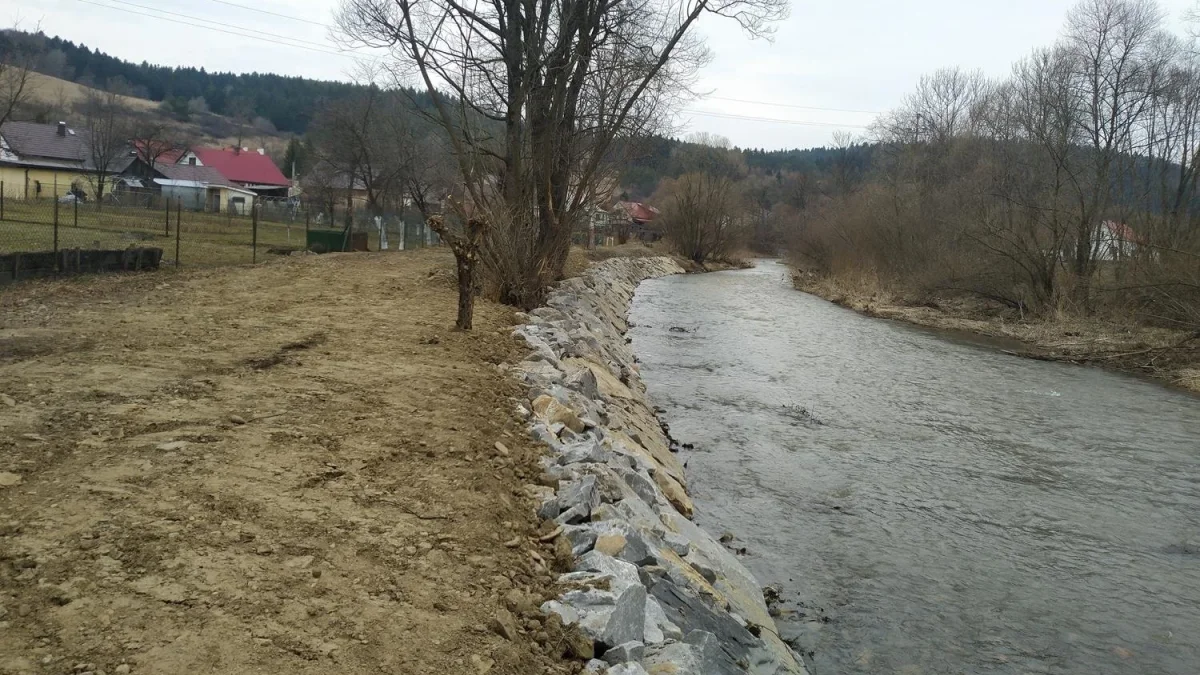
258,37
797,107
773,120
270,13
298,41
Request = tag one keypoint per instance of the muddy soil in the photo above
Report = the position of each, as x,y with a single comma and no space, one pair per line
288,468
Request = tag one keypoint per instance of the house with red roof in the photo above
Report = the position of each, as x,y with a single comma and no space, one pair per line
247,169
1115,240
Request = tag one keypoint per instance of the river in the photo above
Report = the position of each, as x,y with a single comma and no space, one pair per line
926,504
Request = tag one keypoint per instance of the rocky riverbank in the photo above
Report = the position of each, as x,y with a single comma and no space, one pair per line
651,592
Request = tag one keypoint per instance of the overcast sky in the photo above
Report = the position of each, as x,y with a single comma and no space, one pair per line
854,55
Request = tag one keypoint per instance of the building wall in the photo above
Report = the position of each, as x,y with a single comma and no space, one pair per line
54,183
191,198
242,209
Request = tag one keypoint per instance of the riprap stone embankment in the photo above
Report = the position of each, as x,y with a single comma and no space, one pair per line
654,592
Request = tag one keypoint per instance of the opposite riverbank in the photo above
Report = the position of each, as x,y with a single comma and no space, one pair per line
1170,356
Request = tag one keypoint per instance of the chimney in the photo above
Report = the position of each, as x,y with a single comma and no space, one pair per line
262,151
62,128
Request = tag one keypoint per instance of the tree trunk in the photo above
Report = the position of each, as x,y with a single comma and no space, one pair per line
466,289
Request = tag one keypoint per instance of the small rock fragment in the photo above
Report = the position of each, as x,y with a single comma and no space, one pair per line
504,624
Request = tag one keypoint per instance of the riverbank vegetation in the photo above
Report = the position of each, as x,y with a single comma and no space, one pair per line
1062,196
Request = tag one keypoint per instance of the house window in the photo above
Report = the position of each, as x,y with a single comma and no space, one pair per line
237,205
192,161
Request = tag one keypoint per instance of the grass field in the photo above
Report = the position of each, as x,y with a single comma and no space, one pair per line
205,239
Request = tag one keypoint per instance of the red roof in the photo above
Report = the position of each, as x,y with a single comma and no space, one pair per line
639,211
246,166
1123,232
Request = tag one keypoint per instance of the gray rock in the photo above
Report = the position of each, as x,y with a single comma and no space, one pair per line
577,499
587,450
628,669
658,627
539,372
540,432
698,654
584,382
691,613
627,623
582,538
642,485
636,550
572,516
568,614
622,574
628,651
677,543
702,566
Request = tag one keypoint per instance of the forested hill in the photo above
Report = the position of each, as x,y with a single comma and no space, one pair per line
657,157
287,102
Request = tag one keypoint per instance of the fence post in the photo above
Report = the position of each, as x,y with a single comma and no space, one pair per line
1,200
178,229
254,232
76,202
166,217
57,267
307,218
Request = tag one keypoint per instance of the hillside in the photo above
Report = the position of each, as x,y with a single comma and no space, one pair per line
278,102
64,94
53,99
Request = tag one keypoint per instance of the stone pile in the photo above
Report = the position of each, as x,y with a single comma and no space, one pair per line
655,593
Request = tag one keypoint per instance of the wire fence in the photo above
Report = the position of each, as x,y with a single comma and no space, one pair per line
188,235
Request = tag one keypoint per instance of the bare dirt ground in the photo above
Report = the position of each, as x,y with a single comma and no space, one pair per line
288,468
1171,356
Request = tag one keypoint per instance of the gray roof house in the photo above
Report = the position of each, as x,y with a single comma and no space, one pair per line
45,146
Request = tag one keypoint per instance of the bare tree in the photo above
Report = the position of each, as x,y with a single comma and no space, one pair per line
107,131
532,96
16,85
153,138
702,217
364,138
1112,44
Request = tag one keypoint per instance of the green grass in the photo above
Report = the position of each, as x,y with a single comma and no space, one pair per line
205,239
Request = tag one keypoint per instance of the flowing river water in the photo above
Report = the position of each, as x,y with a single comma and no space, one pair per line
926,504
